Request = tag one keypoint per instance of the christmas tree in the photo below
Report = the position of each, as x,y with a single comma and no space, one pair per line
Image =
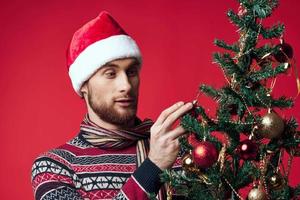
243,144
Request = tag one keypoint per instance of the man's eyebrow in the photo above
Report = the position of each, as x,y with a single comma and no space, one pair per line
134,63
110,65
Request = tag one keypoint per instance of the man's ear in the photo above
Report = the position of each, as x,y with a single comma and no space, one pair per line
84,89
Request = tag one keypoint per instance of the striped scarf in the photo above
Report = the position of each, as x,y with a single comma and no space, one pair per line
115,139
119,139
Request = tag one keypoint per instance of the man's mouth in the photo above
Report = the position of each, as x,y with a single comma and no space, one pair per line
125,102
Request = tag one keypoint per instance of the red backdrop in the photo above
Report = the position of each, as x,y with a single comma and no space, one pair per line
39,109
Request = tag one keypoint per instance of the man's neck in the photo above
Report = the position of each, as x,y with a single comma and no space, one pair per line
97,120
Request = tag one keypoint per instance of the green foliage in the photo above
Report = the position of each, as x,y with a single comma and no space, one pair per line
227,64
282,102
241,104
210,91
246,174
224,45
273,32
297,190
267,72
281,194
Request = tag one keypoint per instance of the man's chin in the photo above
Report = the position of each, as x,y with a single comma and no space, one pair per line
127,114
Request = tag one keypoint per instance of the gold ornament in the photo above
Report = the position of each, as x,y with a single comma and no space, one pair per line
189,166
187,162
222,156
276,181
272,126
257,193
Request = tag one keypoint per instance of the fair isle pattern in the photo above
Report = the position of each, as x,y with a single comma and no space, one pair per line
93,160
87,171
94,170
120,196
71,171
108,181
62,193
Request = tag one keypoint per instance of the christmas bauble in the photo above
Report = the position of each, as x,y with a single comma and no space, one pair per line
276,181
272,126
286,52
248,150
187,161
205,154
257,193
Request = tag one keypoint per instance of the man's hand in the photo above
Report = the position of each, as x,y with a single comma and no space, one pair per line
164,144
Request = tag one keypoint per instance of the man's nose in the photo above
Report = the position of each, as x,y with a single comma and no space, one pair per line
124,84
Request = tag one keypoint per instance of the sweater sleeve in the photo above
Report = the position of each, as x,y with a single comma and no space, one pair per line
143,182
52,180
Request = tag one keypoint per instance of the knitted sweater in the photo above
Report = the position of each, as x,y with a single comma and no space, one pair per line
79,170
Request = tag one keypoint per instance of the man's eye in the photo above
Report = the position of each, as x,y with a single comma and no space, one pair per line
110,74
132,72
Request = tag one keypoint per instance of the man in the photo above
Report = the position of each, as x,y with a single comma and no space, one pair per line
111,158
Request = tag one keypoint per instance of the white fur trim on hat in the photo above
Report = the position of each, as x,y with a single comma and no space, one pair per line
98,54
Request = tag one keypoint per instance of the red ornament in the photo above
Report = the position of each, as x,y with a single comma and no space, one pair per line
247,150
205,154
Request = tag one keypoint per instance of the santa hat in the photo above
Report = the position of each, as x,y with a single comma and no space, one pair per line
98,42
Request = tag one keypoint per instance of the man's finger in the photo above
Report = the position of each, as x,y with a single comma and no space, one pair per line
176,114
175,133
163,116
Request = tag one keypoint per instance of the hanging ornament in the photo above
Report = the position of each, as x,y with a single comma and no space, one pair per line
187,162
257,193
247,150
272,125
276,181
285,52
205,154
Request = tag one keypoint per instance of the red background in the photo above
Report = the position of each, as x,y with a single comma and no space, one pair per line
39,109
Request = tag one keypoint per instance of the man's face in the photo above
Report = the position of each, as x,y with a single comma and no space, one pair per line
112,92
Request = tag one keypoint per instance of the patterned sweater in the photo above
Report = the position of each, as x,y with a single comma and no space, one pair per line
79,170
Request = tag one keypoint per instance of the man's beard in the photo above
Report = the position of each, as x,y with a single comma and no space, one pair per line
110,114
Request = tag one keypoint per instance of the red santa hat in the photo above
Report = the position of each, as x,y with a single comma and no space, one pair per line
98,42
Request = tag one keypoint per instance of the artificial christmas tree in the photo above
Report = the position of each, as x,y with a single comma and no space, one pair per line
247,116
